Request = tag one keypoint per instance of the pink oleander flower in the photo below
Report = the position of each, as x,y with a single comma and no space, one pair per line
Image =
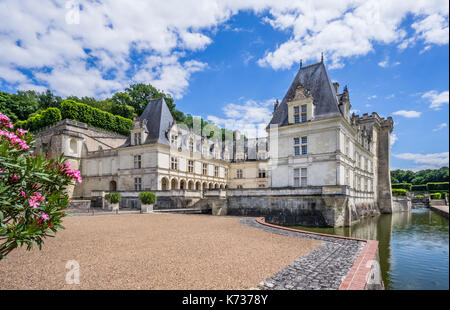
15,177
38,196
44,216
23,194
33,202
21,131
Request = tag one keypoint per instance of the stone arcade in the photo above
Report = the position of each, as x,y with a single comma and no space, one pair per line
319,165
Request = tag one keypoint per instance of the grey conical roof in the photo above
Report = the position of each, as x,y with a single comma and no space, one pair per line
158,120
315,79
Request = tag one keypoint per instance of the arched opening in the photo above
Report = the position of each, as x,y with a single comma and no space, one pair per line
182,184
174,184
73,146
113,186
198,186
211,186
190,185
205,186
164,184
222,186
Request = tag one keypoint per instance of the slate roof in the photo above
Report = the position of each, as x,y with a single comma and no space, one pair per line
315,79
158,120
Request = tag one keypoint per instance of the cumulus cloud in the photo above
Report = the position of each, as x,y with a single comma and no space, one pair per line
408,114
250,118
430,161
109,43
437,99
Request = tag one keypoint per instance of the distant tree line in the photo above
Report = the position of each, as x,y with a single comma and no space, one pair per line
421,176
22,105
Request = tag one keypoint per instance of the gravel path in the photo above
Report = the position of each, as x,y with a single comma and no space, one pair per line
155,251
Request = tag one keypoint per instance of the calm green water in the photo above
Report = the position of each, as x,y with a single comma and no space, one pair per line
413,247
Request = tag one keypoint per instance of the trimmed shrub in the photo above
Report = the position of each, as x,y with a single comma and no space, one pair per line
399,192
441,186
123,110
113,197
419,196
147,198
419,188
406,186
46,118
95,117
435,196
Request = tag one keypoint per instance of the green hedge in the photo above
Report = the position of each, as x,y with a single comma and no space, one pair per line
147,198
46,118
113,197
441,186
399,192
435,196
419,188
406,186
95,117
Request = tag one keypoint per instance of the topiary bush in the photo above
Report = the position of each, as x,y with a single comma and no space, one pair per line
46,118
33,190
399,192
419,188
440,186
419,196
95,117
147,198
406,186
435,196
113,198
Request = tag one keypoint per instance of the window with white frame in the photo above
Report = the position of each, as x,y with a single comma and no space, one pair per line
304,113
216,171
239,174
204,169
304,176
174,163
262,173
347,146
137,162
347,176
261,185
137,184
190,166
191,144
239,187
296,146
304,145
296,115
174,140
137,138
296,177
226,173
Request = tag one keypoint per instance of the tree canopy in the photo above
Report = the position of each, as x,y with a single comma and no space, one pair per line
421,176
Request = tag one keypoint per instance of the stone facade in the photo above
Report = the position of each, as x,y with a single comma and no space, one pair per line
319,165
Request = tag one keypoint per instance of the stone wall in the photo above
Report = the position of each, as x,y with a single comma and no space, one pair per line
401,204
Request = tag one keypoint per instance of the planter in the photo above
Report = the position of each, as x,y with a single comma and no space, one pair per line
113,206
146,208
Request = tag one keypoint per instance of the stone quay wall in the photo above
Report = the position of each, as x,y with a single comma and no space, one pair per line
401,203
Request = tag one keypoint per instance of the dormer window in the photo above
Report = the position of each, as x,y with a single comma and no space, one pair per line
174,140
297,115
191,145
137,138
304,113
300,106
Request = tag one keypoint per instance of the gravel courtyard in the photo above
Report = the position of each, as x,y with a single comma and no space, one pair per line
154,251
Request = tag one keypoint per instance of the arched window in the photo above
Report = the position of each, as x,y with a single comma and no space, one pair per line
112,186
73,146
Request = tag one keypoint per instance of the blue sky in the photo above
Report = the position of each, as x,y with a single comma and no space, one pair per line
229,61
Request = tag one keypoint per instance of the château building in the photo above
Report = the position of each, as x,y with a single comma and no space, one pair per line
319,165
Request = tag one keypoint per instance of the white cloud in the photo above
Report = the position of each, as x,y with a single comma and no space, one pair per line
434,160
437,99
372,97
394,138
440,127
98,55
250,118
390,96
408,114
386,63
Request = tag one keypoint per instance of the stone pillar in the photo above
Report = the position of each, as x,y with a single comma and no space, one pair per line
384,166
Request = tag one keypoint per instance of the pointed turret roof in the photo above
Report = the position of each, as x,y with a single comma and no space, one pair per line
158,120
315,79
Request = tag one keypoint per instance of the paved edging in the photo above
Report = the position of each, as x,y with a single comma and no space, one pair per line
441,210
359,274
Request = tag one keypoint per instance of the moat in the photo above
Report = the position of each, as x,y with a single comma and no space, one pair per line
413,247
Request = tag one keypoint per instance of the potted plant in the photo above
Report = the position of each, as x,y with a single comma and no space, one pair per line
147,200
113,199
